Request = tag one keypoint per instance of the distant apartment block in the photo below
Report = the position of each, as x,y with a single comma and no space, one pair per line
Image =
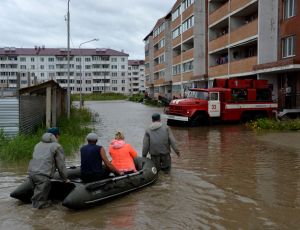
199,41
136,76
91,70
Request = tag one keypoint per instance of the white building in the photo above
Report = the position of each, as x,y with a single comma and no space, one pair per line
103,70
136,76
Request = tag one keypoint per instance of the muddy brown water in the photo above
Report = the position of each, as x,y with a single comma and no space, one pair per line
228,177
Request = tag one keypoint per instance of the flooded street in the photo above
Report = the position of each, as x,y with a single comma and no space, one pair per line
228,177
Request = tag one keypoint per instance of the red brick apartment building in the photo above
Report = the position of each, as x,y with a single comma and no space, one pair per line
199,41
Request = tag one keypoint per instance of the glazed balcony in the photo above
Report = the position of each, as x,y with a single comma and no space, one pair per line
244,32
243,66
219,13
218,43
218,70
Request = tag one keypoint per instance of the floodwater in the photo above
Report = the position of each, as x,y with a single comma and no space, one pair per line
228,177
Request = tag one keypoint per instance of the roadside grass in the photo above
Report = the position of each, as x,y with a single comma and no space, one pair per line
99,97
137,98
73,132
272,124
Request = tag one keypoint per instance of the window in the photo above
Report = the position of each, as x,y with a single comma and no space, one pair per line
32,59
51,59
114,59
122,59
176,69
22,59
42,67
187,3
160,29
289,8
188,24
42,59
87,59
176,14
288,46
176,32
188,66
23,66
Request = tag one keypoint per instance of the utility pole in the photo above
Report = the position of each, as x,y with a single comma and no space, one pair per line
68,57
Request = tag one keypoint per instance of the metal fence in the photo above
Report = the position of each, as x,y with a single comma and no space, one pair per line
32,112
9,116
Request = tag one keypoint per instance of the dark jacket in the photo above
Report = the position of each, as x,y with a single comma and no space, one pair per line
48,155
157,140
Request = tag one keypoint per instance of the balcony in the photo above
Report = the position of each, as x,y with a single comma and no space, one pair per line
177,60
188,76
218,43
159,81
237,4
244,32
159,67
187,34
176,41
218,70
159,52
187,55
219,13
243,66
188,12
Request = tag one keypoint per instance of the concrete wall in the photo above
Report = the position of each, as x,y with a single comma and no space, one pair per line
200,38
267,31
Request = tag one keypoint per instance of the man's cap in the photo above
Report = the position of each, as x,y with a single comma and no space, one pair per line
155,117
92,137
54,131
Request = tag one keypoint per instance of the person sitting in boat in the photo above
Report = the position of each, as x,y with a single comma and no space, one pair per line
48,155
92,157
122,154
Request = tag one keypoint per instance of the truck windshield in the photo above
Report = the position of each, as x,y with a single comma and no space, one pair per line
198,94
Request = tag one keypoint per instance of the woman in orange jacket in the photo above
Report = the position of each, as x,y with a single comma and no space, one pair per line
122,154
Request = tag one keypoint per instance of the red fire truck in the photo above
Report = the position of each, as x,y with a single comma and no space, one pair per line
229,100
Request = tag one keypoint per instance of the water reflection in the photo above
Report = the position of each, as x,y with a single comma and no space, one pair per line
227,178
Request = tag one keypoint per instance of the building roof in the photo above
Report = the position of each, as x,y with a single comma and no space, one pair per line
136,62
41,51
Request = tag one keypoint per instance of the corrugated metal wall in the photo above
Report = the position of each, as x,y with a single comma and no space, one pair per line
32,112
9,116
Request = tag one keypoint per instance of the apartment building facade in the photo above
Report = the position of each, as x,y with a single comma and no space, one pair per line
91,70
136,76
175,50
250,39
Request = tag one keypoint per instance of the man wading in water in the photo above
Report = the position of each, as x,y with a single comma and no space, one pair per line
157,141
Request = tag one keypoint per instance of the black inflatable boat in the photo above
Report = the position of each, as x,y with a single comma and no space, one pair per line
77,195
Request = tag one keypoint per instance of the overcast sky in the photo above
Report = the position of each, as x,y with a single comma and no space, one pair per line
119,24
